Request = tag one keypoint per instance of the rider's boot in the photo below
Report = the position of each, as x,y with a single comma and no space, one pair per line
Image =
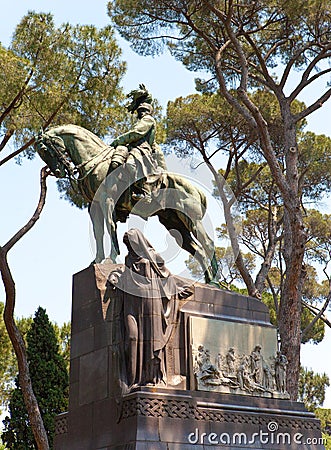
140,191
114,165
145,193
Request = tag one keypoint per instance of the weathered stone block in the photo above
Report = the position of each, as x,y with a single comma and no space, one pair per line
93,384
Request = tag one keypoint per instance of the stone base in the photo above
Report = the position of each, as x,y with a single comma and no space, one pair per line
181,420
179,416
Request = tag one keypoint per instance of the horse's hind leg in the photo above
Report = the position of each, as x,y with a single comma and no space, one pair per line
200,234
208,245
97,220
173,222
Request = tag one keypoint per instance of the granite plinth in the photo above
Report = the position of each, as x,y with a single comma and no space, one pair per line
177,419
176,416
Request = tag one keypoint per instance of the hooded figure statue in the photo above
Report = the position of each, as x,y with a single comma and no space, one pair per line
146,310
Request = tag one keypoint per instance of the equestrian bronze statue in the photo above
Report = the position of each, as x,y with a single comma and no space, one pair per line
129,176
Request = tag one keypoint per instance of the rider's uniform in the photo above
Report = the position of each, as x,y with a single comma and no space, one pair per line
135,147
138,151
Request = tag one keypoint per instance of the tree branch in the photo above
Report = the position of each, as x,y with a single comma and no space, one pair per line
32,140
313,107
268,79
305,80
6,138
274,295
319,314
17,97
291,63
41,203
17,152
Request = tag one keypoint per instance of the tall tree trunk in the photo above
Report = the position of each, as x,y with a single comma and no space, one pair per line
24,379
15,336
227,204
289,318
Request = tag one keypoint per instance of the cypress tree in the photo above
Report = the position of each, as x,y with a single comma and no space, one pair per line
49,378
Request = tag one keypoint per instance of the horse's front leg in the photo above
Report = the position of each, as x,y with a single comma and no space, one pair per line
97,220
107,205
112,230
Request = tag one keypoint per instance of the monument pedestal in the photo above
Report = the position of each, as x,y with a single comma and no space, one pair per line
202,405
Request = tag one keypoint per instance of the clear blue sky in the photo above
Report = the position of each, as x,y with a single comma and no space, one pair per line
60,243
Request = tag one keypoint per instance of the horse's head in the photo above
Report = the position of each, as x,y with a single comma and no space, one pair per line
50,148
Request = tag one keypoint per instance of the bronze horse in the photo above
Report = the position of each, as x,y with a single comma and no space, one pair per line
76,153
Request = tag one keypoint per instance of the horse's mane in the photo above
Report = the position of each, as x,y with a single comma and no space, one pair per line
77,131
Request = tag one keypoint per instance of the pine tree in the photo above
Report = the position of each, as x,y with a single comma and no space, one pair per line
312,388
50,384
